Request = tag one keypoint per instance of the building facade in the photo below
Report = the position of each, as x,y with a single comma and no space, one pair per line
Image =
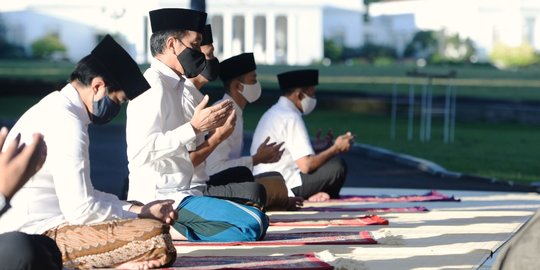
277,31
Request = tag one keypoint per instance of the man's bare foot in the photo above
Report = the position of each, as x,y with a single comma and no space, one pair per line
294,203
319,197
175,235
140,265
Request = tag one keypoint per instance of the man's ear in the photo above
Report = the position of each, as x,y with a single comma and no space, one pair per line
97,84
169,43
235,84
298,93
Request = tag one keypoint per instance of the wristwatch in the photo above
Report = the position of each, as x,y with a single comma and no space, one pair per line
4,204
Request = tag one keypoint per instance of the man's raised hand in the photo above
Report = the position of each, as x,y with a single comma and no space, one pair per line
210,118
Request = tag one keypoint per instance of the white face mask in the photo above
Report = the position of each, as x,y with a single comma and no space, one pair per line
308,104
251,92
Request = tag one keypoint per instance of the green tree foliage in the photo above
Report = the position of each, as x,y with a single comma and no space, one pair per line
375,53
513,56
423,45
332,50
46,46
440,47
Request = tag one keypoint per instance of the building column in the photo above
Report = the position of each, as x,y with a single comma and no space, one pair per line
227,35
249,21
292,47
270,39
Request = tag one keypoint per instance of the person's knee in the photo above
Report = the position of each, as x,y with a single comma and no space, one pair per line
256,191
338,166
254,227
243,174
17,250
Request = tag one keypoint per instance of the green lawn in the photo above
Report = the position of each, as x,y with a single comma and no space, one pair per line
506,151
523,84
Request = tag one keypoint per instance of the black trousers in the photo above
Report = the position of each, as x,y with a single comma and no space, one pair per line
237,182
25,251
329,178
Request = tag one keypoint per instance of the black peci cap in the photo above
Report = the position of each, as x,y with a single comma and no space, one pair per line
120,67
177,19
236,66
207,35
298,78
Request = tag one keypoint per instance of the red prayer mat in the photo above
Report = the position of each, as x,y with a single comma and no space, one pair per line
432,196
352,221
297,239
366,209
306,261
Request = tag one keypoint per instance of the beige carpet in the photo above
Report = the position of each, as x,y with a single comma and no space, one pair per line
452,235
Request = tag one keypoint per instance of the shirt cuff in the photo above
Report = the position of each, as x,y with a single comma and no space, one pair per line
185,132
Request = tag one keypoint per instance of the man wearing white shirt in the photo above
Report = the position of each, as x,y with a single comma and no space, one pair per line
158,133
91,228
232,182
314,177
239,76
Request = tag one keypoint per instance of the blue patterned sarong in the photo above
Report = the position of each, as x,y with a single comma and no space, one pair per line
202,218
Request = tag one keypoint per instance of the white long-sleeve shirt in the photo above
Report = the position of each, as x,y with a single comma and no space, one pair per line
283,123
228,153
62,191
191,97
157,133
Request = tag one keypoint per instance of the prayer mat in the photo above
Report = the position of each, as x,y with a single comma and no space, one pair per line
297,239
367,209
352,221
432,196
306,261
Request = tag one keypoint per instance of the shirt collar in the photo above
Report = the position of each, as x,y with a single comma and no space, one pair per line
287,103
73,96
169,75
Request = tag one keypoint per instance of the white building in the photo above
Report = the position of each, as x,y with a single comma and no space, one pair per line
277,31
486,22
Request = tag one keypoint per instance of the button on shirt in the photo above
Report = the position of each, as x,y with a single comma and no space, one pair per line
283,123
157,133
228,153
62,191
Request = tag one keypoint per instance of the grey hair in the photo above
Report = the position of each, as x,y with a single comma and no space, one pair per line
158,39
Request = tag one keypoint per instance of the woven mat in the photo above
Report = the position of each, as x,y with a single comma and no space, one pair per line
297,239
431,196
366,209
310,221
306,261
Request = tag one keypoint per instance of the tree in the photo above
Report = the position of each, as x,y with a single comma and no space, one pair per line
332,50
504,56
46,46
423,45
440,47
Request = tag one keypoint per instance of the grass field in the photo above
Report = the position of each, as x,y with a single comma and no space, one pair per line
523,84
508,151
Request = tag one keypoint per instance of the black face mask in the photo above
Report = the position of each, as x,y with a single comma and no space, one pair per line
104,110
192,61
211,71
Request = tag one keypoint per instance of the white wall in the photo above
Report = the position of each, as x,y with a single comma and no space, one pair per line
480,20
343,24
29,26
